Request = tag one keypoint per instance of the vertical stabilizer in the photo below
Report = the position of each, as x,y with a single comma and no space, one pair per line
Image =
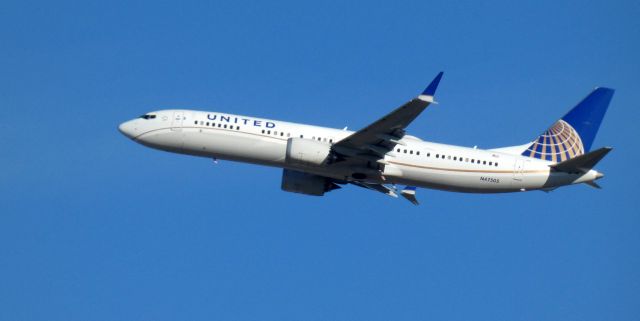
574,133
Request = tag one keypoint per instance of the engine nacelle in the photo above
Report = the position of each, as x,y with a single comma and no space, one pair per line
307,152
304,183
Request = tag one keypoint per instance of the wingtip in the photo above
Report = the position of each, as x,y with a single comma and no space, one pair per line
431,89
593,184
609,89
409,193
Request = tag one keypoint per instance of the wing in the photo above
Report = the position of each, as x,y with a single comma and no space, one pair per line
377,187
409,192
380,137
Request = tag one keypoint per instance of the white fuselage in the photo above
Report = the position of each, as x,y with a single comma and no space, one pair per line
413,162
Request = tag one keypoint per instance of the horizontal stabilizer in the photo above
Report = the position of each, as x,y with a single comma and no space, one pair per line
582,163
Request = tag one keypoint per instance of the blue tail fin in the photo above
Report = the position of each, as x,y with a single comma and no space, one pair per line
574,133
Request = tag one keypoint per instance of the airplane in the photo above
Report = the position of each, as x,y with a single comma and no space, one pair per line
380,156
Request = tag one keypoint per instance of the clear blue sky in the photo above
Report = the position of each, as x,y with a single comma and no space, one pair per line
96,227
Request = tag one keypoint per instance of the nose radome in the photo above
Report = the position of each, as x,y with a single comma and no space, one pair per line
128,129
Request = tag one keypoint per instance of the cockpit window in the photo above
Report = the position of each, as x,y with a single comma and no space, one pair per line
148,116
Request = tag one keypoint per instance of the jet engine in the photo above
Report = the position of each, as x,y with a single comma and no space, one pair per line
306,152
304,183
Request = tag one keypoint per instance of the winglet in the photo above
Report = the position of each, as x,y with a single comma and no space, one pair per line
409,193
593,184
431,89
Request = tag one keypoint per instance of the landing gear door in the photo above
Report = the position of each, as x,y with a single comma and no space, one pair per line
176,122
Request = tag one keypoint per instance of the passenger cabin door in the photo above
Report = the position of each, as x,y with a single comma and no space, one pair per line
176,122
518,170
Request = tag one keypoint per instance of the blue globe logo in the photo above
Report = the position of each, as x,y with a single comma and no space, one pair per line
558,143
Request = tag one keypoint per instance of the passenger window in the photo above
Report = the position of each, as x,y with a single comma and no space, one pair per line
455,158
484,162
281,134
411,152
207,123
496,164
437,155
195,122
449,157
418,153
263,131
269,132
428,154
301,136
237,127
490,163
398,150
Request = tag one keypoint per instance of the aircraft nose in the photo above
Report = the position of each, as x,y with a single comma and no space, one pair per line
128,129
